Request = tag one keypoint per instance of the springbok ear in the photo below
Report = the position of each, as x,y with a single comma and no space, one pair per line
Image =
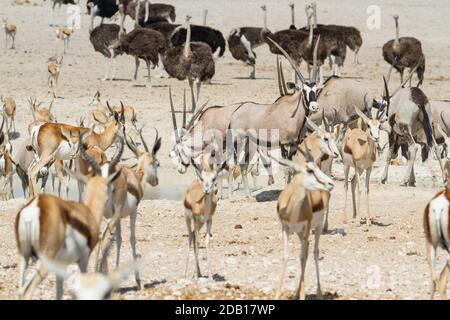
157,146
114,176
385,127
441,131
76,175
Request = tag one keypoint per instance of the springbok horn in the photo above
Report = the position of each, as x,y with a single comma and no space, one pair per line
283,82
95,166
280,88
407,79
315,71
116,158
184,108
442,118
122,113
143,141
111,111
3,124
174,120
291,61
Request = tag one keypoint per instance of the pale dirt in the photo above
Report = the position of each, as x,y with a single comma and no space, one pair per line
385,261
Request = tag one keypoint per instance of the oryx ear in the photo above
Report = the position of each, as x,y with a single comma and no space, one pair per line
361,115
292,86
441,131
311,124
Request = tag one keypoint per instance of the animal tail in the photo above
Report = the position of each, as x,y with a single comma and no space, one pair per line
427,127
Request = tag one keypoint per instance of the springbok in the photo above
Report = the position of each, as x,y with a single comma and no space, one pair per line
9,112
64,34
322,148
40,113
200,203
298,214
10,32
359,150
129,191
92,285
7,170
54,68
436,226
60,229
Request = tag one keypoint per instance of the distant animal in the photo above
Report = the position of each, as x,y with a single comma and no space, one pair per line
405,52
10,32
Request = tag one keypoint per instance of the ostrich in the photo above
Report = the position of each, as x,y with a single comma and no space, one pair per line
192,61
104,8
404,52
142,43
242,41
165,11
292,26
102,38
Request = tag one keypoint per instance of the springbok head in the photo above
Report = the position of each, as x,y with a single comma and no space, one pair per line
41,113
375,123
95,100
92,285
309,88
313,177
148,164
208,171
326,135
186,143
446,135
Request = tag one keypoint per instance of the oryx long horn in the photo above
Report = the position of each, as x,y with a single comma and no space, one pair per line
196,115
334,117
315,71
283,82
324,119
386,89
390,69
280,88
291,61
116,158
407,79
184,108
3,124
95,166
442,118
174,120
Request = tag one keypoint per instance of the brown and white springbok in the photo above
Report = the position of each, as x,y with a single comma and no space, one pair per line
200,201
129,191
62,230
298,214
437,234
7,170
9,112
359,150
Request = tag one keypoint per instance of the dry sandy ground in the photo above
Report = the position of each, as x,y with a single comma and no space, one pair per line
385,261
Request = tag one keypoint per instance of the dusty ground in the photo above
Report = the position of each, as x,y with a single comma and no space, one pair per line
385,261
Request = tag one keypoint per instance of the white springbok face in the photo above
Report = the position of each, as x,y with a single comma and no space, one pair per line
315,179
327,143
90,286
373,128
208,180
310,95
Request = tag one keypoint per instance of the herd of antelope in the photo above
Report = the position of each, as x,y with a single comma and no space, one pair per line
317,121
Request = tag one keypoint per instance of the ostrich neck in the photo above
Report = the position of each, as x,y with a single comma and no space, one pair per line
265,19
310,38
205,13
136,17
147,10
293,16
187,44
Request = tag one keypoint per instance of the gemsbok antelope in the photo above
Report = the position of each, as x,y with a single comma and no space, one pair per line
60,229
200,203
359,150
297,213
